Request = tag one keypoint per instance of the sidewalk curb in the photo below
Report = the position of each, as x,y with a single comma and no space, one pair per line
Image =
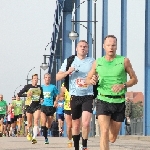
134,137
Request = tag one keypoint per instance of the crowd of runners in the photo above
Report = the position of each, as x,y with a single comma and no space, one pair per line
39,109
81,75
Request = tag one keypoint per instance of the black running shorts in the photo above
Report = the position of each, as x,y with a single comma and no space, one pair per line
67,112
115,110
17,117
2,116
48,110
80,104
31,109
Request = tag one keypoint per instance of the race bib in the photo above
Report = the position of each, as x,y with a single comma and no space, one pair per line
60,105
1,108
35,98
80,82
18,105
47,94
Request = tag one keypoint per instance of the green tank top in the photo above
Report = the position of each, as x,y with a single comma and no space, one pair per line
110,73
17,107
3,105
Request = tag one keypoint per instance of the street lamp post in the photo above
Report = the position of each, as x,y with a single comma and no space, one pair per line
94,44
31,79
16,89
40,76
28,75
45,65
73,35
47,45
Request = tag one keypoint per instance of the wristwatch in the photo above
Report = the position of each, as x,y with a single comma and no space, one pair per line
125,86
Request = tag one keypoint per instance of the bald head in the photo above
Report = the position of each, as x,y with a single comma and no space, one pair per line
1,97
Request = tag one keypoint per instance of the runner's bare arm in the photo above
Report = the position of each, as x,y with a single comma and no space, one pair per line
56,101
61,75
133,78
62,91
57,98
92,74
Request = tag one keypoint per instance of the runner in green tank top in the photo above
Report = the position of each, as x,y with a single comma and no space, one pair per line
18,109
111,73
3,109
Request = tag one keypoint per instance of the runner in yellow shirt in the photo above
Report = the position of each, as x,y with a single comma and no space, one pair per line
67,110
34,95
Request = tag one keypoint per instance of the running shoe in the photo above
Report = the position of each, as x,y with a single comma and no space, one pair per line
13,135
46,141
60,134
83,148
69,143
29,137
34,141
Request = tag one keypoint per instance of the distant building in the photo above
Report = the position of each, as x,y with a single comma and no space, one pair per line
137,99
135,96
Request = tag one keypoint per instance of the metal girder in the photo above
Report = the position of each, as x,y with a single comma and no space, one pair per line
104,22
68,5
146,121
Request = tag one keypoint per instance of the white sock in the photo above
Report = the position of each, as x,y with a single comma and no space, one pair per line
12,130
35,131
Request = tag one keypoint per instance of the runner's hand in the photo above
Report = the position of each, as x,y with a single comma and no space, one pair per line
41,100
117,88
55,104
70,70
94,80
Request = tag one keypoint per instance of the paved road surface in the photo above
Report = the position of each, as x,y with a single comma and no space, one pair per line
59,143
